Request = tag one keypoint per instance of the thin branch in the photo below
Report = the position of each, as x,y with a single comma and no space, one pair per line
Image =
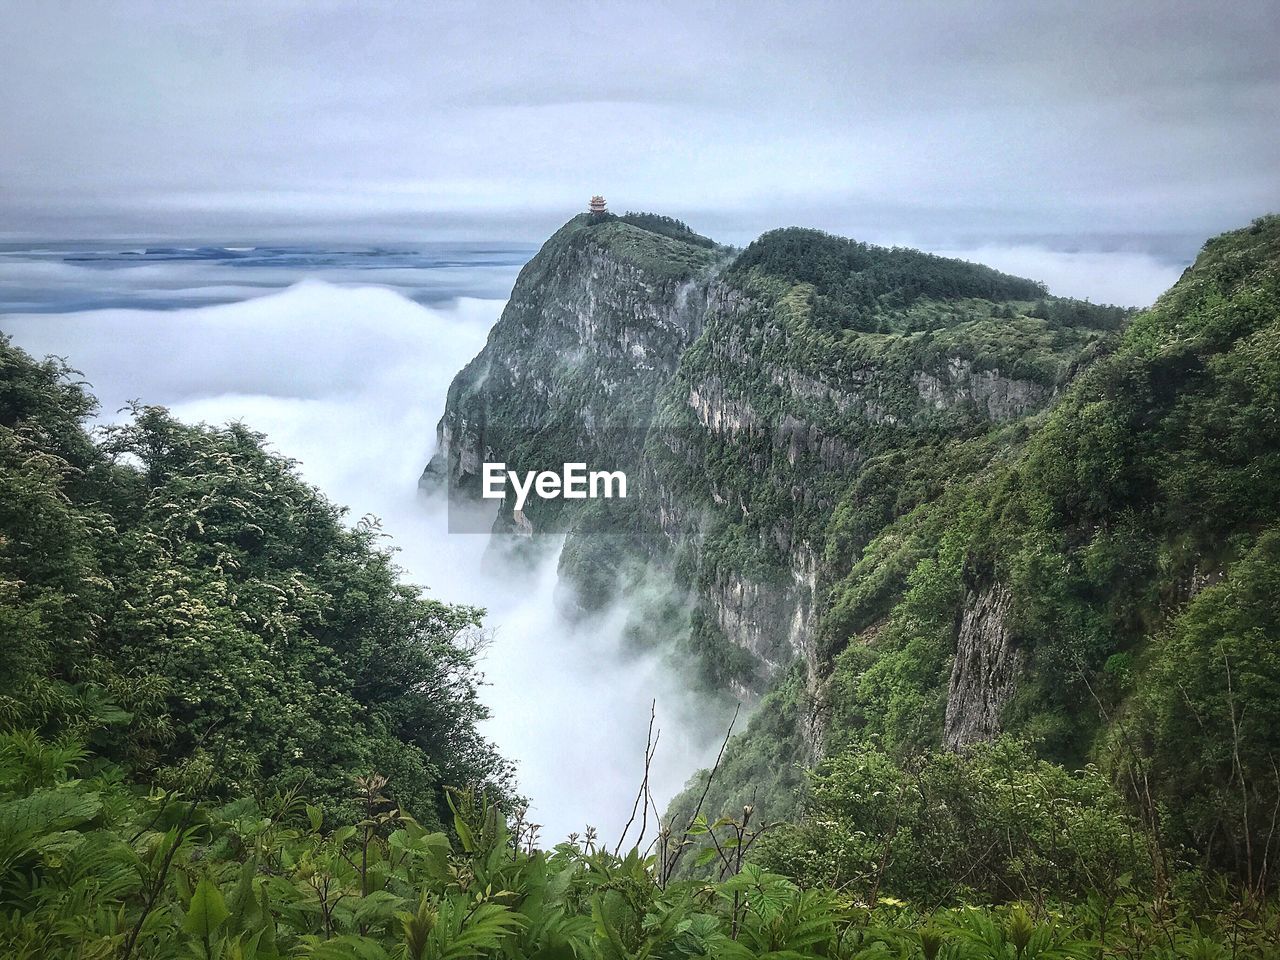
669,865
650,747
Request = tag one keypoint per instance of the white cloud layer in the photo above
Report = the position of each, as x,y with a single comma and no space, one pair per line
350,381
1125,278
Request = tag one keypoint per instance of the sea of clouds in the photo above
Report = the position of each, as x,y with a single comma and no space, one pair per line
349,381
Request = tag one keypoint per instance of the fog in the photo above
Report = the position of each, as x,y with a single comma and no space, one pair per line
350,381
1127,278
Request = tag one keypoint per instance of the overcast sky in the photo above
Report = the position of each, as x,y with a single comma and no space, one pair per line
1137,125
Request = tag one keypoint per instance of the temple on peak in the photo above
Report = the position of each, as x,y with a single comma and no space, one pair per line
597,204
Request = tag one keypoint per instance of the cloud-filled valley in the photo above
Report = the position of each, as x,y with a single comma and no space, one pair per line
349,381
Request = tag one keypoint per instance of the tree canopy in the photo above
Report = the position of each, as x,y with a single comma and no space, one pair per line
178,596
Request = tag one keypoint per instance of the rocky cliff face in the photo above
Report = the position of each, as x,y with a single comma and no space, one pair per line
1000,397
750,415
597,321
773,422
984,675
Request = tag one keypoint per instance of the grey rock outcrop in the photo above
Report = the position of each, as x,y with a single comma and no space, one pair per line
1000,397
985,673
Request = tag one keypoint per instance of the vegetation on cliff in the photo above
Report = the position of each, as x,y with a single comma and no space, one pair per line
830,397
1133,528
864,460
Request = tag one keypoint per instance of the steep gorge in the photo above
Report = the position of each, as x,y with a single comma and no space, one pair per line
909,503
768,404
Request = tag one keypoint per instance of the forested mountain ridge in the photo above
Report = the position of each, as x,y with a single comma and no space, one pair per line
750,396
924,505
1102,587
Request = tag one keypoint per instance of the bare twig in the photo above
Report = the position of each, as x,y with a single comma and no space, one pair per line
672,859
642,795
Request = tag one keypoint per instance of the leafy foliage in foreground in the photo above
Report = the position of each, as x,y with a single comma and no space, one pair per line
179,599
90,867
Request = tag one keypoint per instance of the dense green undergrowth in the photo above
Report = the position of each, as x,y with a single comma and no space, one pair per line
93,867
